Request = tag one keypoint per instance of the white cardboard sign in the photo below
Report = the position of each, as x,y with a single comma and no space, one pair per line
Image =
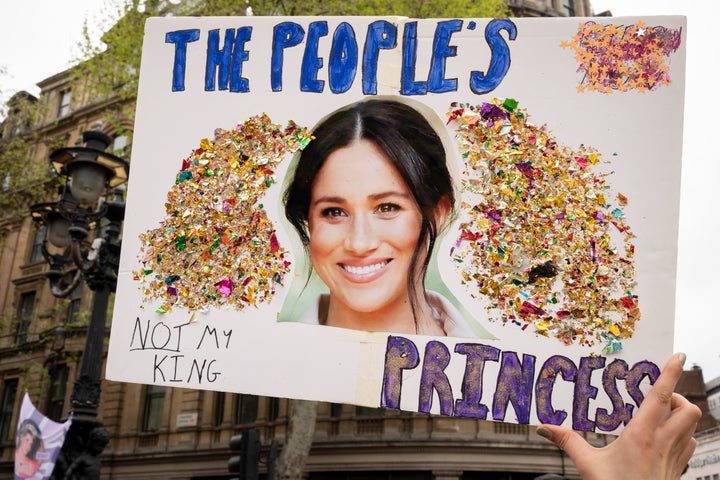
539,158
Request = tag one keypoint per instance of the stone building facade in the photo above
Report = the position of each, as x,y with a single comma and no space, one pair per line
713,392
705,462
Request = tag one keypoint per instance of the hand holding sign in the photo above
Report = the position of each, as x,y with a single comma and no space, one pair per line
654,445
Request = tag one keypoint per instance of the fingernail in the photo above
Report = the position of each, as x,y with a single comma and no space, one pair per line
681,358
544,432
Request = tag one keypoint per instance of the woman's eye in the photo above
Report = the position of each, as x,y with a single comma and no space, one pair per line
332,212
388,208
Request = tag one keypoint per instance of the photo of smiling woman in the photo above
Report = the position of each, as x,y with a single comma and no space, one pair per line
368,198
29,444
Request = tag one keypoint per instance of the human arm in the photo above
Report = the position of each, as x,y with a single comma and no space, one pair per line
657,444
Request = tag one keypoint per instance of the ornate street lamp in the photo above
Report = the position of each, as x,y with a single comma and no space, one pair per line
85,227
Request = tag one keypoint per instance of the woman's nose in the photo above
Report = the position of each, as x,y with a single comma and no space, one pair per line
362,236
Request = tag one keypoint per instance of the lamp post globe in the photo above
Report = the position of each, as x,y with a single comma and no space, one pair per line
90,169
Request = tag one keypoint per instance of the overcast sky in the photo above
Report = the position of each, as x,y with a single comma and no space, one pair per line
38,39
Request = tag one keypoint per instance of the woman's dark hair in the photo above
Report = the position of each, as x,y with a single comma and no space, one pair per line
410,143
29,426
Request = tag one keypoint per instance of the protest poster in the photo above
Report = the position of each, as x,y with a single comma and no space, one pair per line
38,442
293,180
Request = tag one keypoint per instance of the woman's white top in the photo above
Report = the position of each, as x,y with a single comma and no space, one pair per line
445,314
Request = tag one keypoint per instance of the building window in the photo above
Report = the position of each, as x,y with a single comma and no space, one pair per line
273,408
153,411
569,7
74,305
219,409
64,107
36,254
336,410
246,408
56,394
27,306
369,412
6,408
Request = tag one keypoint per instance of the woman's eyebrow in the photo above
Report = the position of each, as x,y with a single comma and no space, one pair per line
389,193
328,199
374,197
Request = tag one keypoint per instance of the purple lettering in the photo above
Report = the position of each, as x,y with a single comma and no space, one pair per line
437,358
605,421
544,388
477,354
514,385
584,392
400,354
636,375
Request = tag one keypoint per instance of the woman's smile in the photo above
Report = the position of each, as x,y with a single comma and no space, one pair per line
364,273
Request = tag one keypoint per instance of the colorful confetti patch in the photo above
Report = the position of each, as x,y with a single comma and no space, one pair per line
538,231
621,58
216,246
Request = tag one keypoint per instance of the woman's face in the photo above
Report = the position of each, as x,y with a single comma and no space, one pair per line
26,442
364,224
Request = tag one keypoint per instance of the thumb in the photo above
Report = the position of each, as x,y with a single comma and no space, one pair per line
566,439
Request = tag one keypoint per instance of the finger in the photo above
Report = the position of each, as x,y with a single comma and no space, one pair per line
680,404
684,416
566,439
656,405
688,452
682,458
